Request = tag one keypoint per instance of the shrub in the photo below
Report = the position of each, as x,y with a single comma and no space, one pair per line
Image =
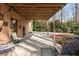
70,27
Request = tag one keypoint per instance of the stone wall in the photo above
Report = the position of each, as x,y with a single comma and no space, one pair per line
9,13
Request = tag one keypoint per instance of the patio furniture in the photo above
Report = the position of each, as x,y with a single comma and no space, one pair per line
7,49
15,38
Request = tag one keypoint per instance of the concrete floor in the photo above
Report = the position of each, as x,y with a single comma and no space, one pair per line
31,45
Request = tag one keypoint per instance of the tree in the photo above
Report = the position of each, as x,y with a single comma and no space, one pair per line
39,26
70,27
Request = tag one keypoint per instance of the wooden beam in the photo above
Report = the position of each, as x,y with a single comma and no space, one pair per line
36,9
39,13
31,15
36,4
38,16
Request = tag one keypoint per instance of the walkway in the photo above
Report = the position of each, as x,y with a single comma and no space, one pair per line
32,45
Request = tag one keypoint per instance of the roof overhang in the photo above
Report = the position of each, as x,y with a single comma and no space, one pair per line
36,11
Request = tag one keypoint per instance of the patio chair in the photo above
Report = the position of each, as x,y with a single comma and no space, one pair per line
7,49
15,38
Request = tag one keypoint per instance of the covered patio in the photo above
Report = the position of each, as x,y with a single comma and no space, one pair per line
20,16
38,11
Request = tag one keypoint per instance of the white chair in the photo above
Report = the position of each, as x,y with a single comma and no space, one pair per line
15,38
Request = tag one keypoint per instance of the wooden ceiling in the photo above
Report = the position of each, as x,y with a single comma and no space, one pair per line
36,11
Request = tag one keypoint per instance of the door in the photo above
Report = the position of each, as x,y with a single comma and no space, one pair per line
14,25
23,31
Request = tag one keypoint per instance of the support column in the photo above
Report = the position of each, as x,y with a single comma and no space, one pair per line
6,14
30,29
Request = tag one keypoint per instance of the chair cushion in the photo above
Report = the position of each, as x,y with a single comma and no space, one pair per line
8,46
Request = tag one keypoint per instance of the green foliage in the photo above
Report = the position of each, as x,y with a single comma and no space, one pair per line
70,27
61,41
58,26
51,27
39,26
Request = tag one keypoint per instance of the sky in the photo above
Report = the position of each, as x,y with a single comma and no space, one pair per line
68,14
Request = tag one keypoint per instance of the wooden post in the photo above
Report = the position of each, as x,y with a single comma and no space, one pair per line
76,13
54,30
